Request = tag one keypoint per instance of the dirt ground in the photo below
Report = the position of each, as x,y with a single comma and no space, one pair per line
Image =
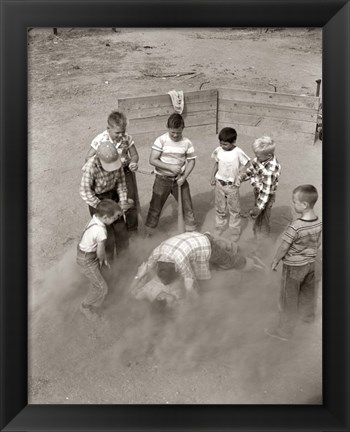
216,351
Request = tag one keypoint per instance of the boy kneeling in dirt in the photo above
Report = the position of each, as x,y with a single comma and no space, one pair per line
91,254
187,256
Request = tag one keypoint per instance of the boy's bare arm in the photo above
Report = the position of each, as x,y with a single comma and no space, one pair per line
215,170
101,253
90,153
154,160
281,252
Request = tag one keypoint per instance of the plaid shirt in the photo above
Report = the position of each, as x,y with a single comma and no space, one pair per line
122,145
264,178
96,180
190,252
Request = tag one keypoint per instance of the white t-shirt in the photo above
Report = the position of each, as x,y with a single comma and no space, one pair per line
94,233
229,163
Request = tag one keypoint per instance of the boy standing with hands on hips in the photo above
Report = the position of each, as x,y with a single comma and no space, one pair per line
229,159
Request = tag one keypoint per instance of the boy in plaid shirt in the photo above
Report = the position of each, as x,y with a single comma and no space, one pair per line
263,172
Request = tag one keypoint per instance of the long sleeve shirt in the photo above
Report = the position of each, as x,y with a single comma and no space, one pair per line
95,180
264,179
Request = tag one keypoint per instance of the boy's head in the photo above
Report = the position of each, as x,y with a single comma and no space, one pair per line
166,272
304,198
227,138
175,125
116,124
108,211
264,148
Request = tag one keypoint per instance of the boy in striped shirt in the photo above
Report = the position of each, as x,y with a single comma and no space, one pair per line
298,250
174,158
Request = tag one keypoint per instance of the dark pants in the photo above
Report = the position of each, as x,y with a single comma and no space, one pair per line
298,296
261,227
226,256
162,187
117,233
131,214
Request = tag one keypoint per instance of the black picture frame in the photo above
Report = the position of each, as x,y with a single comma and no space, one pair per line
334,18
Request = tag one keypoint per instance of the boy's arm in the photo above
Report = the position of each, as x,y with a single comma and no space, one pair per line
189,168
101,253
154,160
90,153
281,252
134,158
86,189
215,170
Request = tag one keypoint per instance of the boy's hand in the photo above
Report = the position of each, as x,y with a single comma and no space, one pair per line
105,262
126,205
238,181
180,181
133,166
274,265
175,169
254,212
212,181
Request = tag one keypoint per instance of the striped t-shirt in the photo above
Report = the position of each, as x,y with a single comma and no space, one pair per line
304,237
173,153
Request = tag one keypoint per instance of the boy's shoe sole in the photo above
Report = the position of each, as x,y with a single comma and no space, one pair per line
275,334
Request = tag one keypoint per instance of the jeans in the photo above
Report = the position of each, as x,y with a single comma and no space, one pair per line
261,227
227,207
117,233
90,267
162,187
297,296
131,214
225,256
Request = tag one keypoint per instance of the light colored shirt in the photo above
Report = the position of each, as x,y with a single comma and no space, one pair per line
95,232
229,163
264,179
304,238
96,180
122,145
190,252
173,153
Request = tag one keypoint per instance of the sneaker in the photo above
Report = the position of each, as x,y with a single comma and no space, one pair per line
88,312
275,334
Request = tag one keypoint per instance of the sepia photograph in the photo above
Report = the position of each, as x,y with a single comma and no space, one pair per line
175,215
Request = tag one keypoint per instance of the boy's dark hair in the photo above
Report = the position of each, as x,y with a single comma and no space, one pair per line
107,207
307,193
228,134
175,121
117,118
166,272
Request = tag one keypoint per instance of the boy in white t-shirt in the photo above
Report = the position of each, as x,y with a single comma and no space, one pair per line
91,254
229,159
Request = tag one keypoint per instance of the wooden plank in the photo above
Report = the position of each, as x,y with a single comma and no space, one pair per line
193,133
284,99
155,123
158,111
267,110
157,101
236,118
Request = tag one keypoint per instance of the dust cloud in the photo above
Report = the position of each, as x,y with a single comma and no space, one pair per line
221,334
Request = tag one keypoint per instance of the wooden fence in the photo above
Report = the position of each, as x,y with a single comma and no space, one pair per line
256,113
251,113
148,115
